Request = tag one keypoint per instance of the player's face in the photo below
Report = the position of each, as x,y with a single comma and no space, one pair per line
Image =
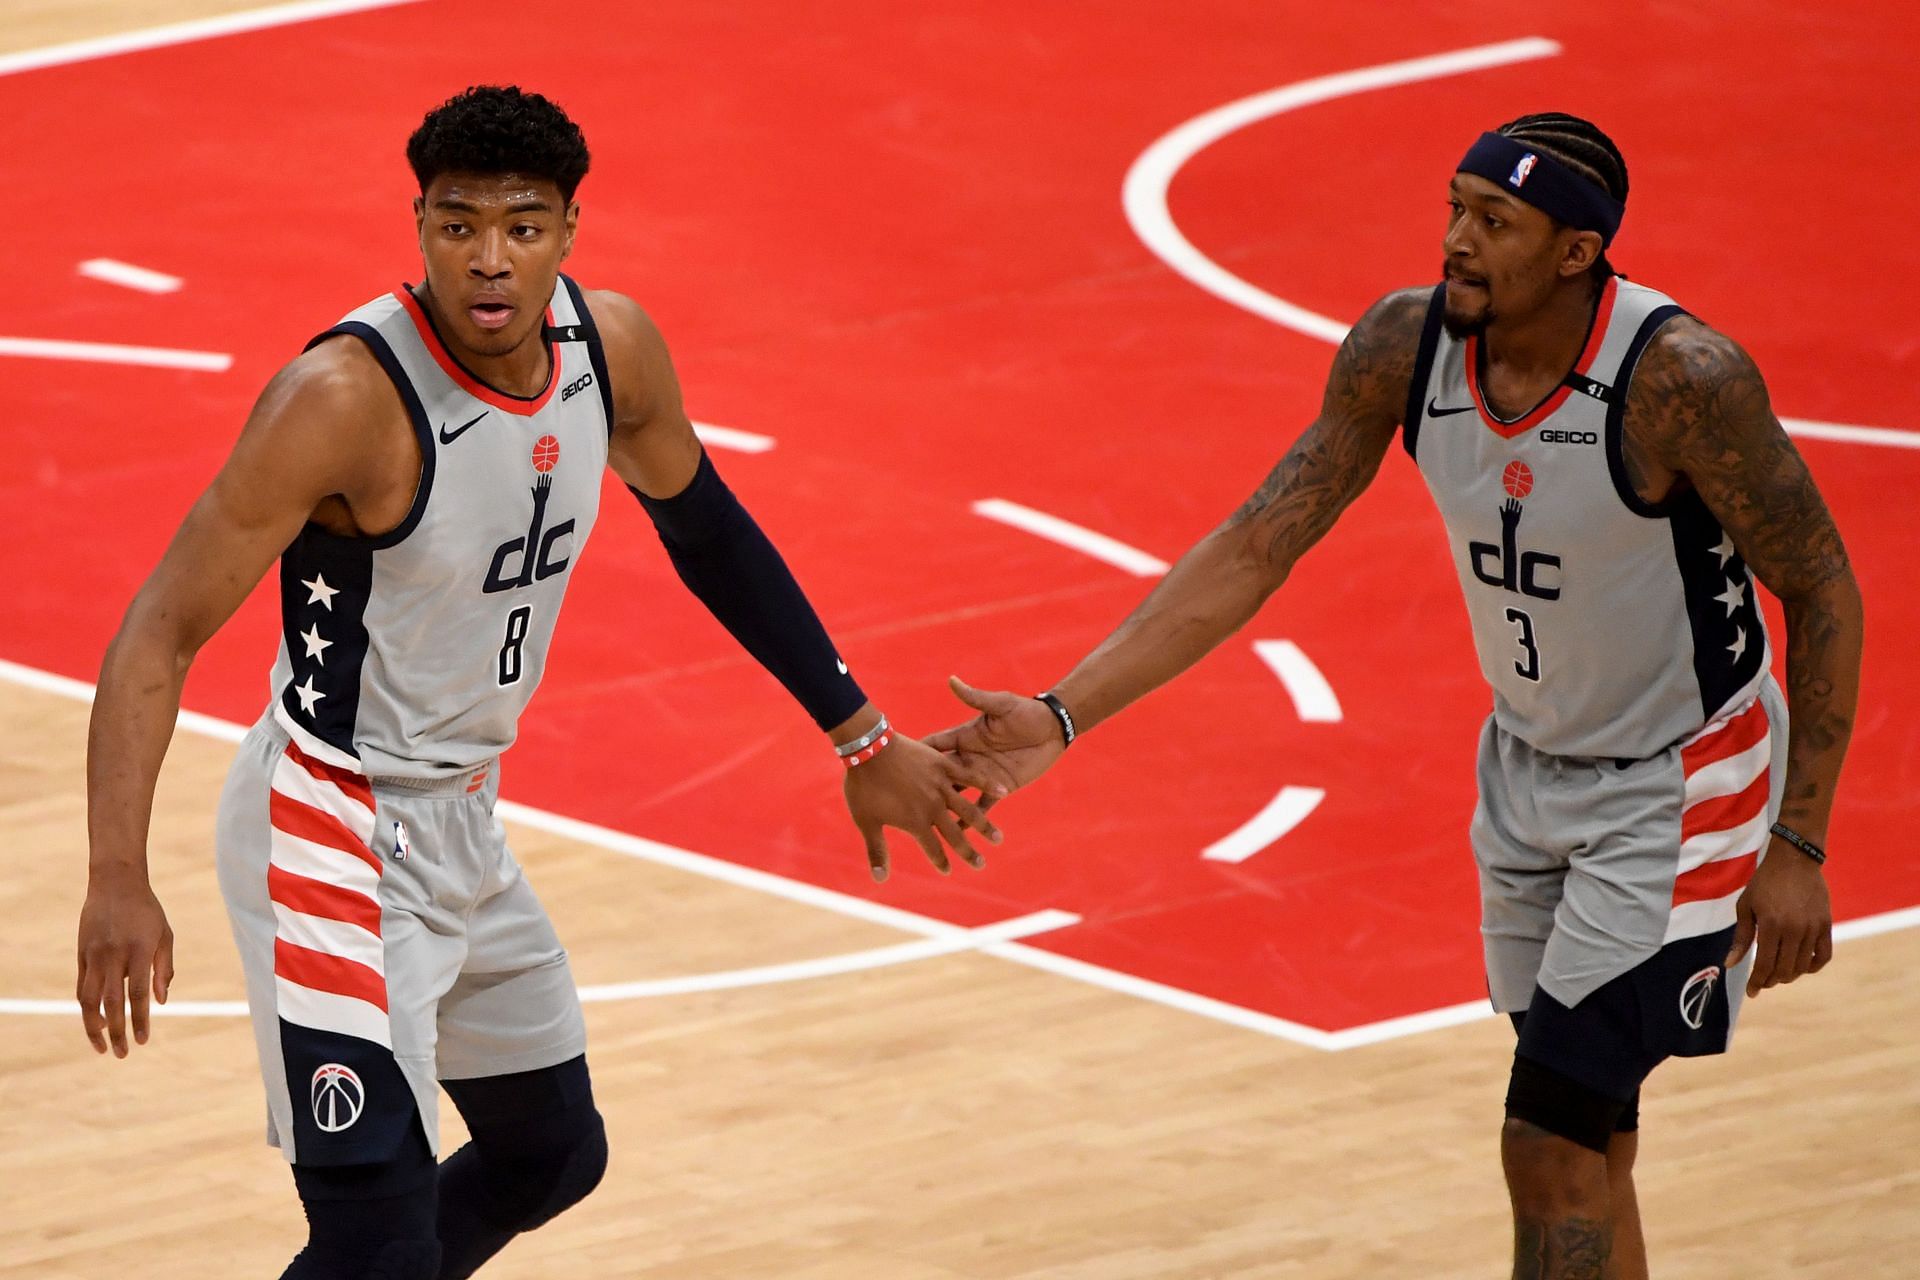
493,245
1502,256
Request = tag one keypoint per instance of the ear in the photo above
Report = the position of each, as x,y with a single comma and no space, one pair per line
1582,250
573,225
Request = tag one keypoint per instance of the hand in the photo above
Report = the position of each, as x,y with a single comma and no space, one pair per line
911,786
126,950
1011,742
1786,908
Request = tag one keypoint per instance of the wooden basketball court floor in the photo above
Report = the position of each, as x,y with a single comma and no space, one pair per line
954,1117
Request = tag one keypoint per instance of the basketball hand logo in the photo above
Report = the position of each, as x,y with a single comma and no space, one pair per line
1697,995
338,1097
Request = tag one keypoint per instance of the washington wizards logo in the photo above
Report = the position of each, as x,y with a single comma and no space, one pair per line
535,555
1696,997
1521,170
338,1097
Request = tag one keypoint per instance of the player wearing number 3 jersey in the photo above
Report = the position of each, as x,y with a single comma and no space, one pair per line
427,475
1612,478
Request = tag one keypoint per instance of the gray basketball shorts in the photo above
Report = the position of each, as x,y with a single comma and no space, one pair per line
389,941
1591,867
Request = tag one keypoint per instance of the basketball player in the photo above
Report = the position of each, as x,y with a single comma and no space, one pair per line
427,474
1609,470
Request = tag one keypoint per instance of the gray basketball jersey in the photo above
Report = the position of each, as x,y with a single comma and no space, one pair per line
1606,625
412,654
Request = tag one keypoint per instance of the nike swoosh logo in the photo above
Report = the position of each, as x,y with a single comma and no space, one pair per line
841,663
448,437
1435,411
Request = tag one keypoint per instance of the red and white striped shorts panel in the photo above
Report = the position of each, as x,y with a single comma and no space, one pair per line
1728,768
323,878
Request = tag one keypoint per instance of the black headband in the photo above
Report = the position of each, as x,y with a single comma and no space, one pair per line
1544,183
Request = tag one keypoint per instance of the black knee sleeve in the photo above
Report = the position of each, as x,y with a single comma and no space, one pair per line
370,1221
1548,1100
539,1147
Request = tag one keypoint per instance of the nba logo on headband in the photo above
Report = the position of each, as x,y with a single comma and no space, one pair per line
1521,170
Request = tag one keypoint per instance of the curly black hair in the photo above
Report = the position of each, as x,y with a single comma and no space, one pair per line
494,129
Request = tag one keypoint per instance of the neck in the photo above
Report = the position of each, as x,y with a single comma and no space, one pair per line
523,371
1548,342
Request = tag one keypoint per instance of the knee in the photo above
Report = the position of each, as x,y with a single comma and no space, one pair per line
1549,1176
530,1186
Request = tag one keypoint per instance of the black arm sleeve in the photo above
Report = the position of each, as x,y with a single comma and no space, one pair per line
731,566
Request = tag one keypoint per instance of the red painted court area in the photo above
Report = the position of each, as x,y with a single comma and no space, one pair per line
893,240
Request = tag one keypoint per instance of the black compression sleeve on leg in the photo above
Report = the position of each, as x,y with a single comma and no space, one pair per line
731,566
1560,1105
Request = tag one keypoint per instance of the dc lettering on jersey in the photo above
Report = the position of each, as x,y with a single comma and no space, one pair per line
1511,569
537,550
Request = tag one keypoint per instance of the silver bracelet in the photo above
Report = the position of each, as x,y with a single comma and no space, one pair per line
858,745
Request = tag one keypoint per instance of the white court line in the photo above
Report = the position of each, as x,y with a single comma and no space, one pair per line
909,922
114,271
1144,195
1098,545
766,975
184,33
733,438
112,353
1312,696
1283,813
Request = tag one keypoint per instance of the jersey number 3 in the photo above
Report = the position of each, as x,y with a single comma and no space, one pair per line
516,640
1530,669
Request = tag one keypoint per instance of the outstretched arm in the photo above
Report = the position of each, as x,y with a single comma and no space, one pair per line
1699,407
726,560
1218,585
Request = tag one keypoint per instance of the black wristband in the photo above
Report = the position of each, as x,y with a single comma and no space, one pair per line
1060,713
1799,842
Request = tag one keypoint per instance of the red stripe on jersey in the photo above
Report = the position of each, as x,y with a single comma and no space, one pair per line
1602,316
466,381
317,898
298,818
319,971
1748,729
1715,879
1724,813
355,785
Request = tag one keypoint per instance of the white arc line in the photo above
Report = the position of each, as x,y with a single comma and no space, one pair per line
860,908
766,975
1098,545
184,33
110,353
1144,195
1283,813
1145,191
113,271
732,438
1313,698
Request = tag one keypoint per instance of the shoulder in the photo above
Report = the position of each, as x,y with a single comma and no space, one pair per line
338,384
1375,365
1692,385
625,328
1399,316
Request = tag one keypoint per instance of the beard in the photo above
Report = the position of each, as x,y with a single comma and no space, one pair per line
1461,324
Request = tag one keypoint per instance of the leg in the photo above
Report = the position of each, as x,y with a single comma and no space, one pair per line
1554,1148
539,1147
369,1221
1629,1245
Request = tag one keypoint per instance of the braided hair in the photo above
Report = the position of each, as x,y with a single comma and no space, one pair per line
1580,146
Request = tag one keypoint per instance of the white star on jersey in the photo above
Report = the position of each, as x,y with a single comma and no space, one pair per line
1726,550
317,648
308,695
1739,645
319,592
1734,597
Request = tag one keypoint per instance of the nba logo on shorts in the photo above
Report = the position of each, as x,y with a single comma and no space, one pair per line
338,1097
1696,995
1521,170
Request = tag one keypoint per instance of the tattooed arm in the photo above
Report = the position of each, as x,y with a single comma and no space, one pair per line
1698,410
1218,585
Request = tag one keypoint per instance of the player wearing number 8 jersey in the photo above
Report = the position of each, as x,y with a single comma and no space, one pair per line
1608,470
427,474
